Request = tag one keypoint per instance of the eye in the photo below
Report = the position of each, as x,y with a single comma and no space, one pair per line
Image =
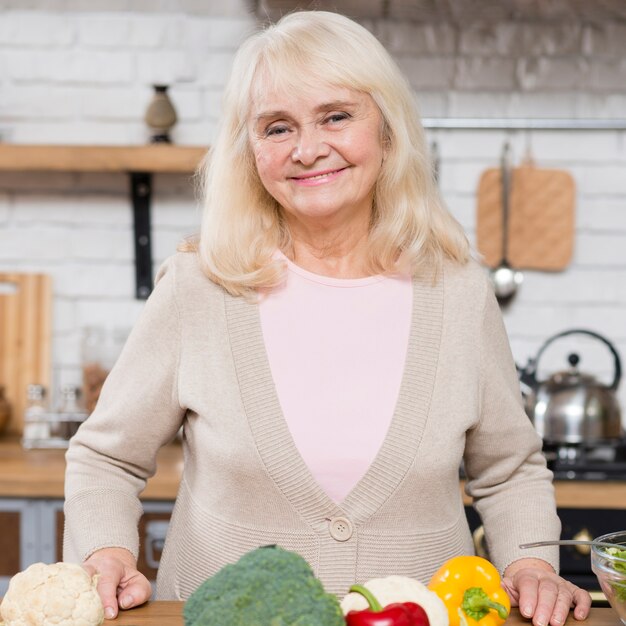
277,131
336,118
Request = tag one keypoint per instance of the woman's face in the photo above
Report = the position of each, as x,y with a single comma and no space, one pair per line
318,152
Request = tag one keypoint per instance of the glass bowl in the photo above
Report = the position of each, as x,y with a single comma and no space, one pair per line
609,565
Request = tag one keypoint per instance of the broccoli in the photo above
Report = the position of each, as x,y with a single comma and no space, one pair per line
267,587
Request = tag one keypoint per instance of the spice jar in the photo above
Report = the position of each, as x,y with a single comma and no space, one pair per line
100,349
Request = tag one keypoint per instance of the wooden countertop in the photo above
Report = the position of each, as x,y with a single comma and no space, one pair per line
40,473
577,494
161,613
151,614
170,614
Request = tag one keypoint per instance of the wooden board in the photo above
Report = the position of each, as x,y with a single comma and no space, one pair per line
541,218
25,337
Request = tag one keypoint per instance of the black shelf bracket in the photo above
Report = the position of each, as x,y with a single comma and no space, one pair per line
141,190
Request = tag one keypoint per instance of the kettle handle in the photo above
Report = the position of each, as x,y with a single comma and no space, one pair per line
581,331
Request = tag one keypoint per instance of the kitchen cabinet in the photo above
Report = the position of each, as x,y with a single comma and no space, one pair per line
31,530
10,536
27,528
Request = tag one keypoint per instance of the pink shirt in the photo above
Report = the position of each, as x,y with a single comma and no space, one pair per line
336,349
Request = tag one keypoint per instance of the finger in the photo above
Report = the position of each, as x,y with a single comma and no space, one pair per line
512,592
107,589
562,605
547,594
582,602
528,590
134,591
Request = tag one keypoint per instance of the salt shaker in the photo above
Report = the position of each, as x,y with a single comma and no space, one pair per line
70,413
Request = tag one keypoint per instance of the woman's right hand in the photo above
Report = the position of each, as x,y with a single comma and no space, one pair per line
120,584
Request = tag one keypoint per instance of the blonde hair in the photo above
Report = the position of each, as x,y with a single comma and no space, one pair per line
242,225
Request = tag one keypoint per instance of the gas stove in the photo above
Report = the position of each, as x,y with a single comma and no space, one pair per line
600,461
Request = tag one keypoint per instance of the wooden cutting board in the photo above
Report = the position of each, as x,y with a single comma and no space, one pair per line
25,338
541,218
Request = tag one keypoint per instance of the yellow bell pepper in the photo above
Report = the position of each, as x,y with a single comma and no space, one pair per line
470,588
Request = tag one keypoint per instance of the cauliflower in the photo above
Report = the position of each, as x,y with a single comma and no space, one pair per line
400,589
62,594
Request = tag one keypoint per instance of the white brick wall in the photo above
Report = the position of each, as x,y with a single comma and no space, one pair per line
80,71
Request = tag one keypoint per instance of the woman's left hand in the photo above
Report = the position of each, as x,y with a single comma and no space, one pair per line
543,595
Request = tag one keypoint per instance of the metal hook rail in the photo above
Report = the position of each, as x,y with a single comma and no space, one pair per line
523,124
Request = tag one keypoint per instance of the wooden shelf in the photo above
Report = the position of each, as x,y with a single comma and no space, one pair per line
57,158
139,162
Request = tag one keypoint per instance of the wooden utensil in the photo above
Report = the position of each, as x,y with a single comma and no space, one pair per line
541,218
25,338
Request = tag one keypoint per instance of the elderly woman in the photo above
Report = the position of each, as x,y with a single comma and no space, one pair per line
329,349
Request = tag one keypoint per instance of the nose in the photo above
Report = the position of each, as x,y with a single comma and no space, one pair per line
310,146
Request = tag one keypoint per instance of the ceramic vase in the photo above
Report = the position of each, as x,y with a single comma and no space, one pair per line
160,115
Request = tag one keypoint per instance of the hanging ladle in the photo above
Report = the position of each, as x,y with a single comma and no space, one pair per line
504,278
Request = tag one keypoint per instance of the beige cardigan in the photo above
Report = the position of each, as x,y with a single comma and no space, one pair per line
197,357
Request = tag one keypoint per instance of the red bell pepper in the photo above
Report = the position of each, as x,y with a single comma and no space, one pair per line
397,614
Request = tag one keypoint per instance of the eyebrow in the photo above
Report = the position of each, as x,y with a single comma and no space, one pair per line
325,106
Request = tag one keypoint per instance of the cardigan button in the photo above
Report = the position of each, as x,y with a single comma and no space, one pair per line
340,528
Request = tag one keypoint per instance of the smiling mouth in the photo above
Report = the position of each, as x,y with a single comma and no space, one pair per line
318,175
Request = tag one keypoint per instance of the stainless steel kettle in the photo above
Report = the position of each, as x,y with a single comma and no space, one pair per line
571,407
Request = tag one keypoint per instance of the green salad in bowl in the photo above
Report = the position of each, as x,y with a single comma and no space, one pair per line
609,566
